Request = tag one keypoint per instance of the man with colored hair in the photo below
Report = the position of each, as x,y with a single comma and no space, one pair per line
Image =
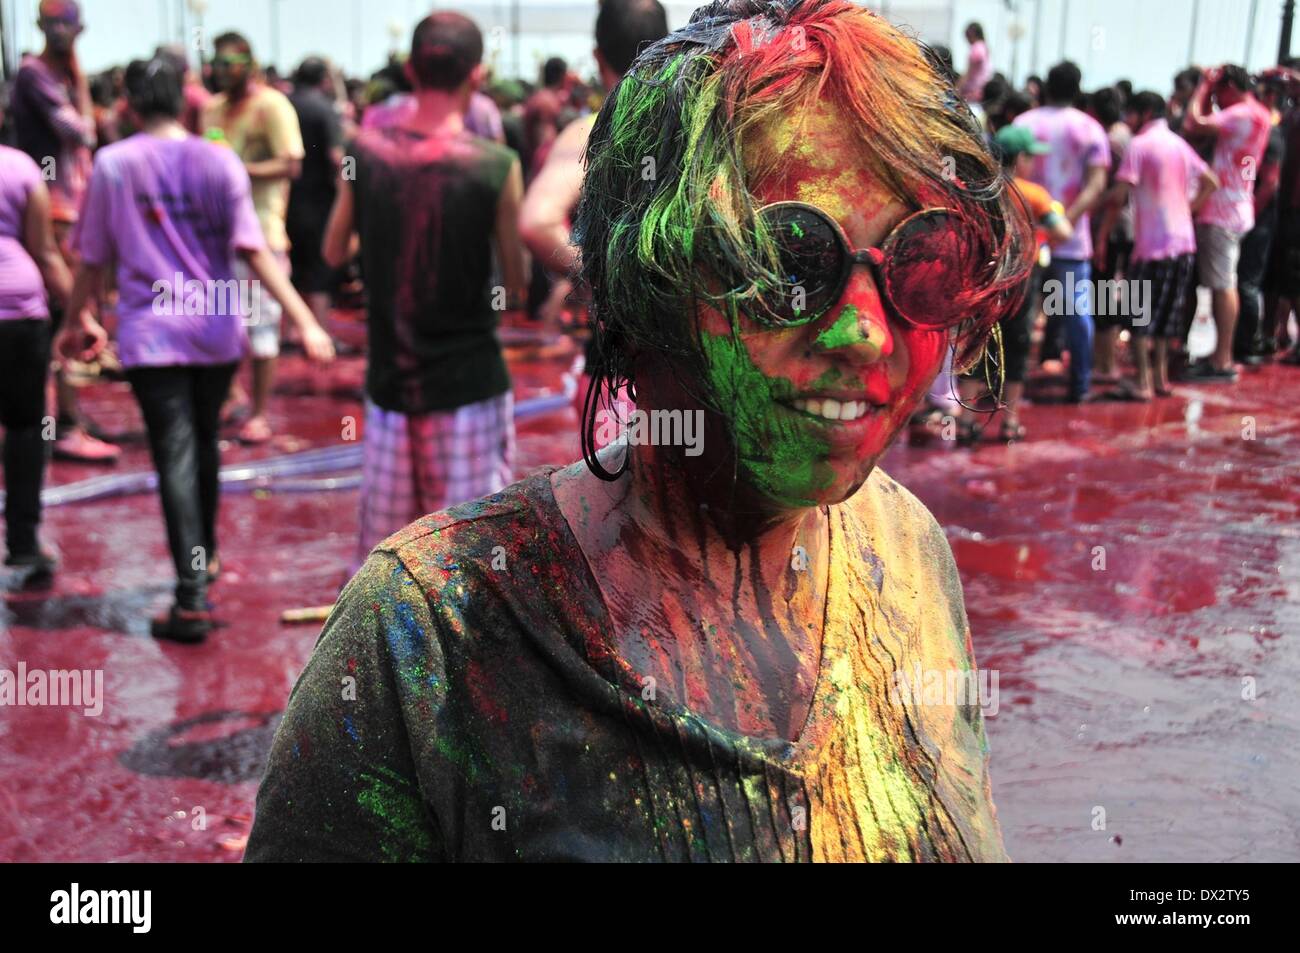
1074,171
54,123
1168,183
1239,129
259,123
428,201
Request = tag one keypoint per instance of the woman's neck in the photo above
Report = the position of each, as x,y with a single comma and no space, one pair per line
164,127
706,515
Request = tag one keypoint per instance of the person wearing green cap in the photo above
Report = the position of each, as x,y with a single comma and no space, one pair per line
1017,146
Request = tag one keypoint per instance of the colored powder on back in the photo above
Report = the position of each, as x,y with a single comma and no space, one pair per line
401,814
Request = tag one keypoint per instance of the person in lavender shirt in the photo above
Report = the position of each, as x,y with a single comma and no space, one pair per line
1074,172
175,211
30,264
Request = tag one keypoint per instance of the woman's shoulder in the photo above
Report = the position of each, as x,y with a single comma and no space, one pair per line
901,541
483,580
891,508
501,537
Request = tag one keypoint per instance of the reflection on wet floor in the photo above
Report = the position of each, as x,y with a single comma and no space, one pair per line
1131,574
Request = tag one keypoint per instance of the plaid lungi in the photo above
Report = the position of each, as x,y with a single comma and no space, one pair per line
415,465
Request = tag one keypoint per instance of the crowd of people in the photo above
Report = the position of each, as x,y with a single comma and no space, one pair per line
1141,197
443,199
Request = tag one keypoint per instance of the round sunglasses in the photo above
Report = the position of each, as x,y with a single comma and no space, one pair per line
925,268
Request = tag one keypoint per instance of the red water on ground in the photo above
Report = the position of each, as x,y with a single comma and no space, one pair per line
1120,688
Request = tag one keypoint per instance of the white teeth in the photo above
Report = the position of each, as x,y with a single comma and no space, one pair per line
831,409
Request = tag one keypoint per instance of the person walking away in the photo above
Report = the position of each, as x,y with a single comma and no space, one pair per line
174,212
428,201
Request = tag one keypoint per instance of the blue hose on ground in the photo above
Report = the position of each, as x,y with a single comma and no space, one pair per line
322,469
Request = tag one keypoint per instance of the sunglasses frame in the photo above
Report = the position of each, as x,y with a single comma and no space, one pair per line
876,257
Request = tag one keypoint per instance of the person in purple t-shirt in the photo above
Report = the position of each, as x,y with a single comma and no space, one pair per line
30,263
1074,172
174,211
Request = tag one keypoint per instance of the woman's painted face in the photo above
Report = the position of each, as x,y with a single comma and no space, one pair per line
816,406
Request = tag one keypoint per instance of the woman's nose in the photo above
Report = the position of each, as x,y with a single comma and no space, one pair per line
856,324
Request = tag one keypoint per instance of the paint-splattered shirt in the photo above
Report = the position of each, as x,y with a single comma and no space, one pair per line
426,211
462,704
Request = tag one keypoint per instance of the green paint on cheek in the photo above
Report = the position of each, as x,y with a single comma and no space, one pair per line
846,330
781,454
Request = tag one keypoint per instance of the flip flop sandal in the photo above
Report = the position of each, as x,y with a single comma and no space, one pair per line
968,433
1011,434
236,415
255,437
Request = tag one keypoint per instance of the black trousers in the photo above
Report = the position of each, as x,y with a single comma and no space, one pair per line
182,413
24,366
1015,329
1251,266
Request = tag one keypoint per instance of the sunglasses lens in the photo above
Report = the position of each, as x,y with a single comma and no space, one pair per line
930,262
812,260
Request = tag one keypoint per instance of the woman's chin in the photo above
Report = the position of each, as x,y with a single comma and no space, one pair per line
840,485
843,488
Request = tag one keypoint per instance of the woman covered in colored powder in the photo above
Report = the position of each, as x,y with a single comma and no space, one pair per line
735,648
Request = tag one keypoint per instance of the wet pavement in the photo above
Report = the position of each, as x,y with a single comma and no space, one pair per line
1132,576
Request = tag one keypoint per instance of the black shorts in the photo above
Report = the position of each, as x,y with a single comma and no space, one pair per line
1283,275
1015,330
1118,251
309,272
1164,296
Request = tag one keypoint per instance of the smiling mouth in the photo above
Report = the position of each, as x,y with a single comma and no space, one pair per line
828,408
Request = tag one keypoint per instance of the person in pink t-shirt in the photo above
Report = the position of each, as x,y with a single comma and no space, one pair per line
1168,183
1240,130
979,70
